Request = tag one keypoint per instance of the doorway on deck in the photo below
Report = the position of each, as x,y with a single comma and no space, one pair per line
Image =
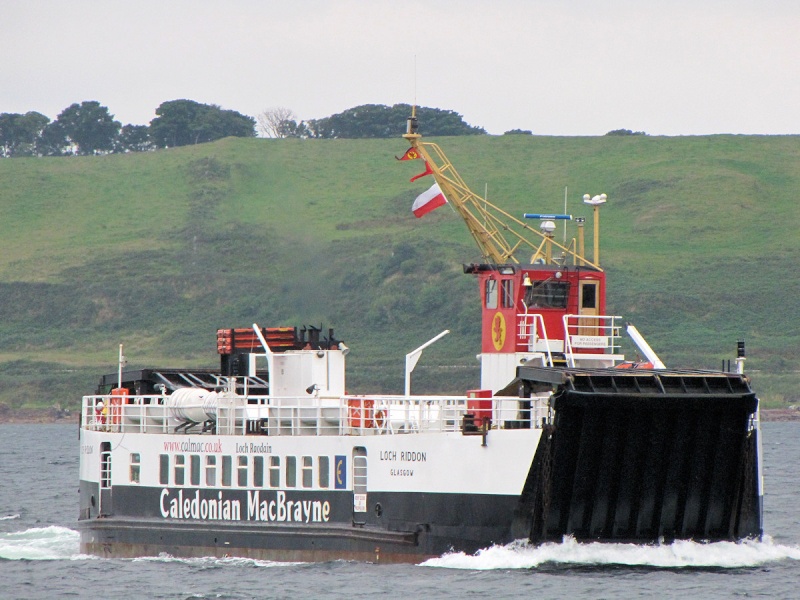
359,485
105,479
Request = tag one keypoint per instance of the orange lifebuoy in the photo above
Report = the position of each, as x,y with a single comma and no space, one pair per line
379,419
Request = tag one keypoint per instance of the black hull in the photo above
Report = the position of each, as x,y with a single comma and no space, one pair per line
410,528
129,538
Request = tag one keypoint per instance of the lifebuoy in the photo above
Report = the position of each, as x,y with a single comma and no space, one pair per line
378,419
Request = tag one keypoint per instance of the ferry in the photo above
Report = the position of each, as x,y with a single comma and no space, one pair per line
267,456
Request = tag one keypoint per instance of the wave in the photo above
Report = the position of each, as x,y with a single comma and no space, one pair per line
679,554
9,517
40,543
62,543
207,561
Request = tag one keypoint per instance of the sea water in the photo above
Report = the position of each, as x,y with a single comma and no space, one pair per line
39,556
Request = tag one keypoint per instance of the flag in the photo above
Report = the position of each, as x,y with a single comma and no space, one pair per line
428,171
411,154
429,200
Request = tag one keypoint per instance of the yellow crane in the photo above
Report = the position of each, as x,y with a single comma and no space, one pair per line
499,235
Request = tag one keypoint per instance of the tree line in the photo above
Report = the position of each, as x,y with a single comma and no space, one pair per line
89,128
365,121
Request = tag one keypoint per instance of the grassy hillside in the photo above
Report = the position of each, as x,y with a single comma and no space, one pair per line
158,250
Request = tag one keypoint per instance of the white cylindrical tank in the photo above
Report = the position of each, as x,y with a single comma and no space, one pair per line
192,404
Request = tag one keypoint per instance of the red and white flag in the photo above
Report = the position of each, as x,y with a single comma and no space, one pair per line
429,200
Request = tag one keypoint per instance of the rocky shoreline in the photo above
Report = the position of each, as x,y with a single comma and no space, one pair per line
56,415
37,415
780,414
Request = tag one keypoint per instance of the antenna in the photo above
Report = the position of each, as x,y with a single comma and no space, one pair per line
411,124
415,82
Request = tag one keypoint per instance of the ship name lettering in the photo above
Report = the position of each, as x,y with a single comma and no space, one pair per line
388,455
412,456
281,509
195,507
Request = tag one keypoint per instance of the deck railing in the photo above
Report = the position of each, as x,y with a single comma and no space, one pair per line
581,336
347,415
590,334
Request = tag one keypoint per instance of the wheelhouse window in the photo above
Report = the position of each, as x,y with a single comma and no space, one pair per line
491,293
507,293
589,295
547,294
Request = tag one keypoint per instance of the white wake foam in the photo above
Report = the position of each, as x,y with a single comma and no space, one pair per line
61,543
211,561
9,517
41,543
521,555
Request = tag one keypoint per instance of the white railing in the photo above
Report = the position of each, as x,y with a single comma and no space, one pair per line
532,335
582,336
348,415
590,334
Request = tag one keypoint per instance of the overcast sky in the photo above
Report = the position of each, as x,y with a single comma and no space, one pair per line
555,67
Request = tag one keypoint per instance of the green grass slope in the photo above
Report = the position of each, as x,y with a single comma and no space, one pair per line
158,250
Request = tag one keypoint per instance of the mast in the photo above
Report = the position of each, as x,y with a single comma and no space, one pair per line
500,236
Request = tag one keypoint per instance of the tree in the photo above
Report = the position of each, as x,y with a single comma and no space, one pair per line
293,129
89,127
277,122
134,138
518,132
53,141
184,122
380,121
18,133
625,132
